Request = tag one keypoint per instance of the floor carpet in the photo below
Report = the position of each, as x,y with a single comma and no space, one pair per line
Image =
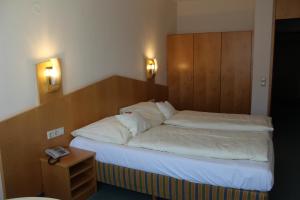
108,192
287,151
287,163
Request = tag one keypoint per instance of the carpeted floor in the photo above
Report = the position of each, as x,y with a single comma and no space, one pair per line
287,163
287,150
108,192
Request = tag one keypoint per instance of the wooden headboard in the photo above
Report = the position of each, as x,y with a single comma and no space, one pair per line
23,138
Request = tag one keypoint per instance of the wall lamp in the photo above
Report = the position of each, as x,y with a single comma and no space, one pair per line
151,68
49,75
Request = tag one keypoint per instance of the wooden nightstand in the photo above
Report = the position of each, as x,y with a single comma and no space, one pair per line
74,177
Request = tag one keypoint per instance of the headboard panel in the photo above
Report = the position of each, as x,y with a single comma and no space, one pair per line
23,137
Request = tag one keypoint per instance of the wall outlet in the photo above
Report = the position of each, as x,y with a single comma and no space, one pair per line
55,133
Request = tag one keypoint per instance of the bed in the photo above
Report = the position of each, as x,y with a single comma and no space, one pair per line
170,175
222,121
113,161
197,119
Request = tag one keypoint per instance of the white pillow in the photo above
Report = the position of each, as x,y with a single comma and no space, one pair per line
135,122
171,107
106,130
148,110
166,108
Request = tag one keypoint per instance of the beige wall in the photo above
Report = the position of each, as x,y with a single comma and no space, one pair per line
215,15
262,56
95,39
2,189
105,37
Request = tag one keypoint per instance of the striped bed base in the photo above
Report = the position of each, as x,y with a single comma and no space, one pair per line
167,187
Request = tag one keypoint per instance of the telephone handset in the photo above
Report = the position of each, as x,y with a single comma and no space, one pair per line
56,153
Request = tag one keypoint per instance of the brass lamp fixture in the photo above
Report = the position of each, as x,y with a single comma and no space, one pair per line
151,68
49,73
49,80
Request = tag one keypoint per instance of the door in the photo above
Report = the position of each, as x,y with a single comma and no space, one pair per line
236,72
180,70
287,9
285,81
207,71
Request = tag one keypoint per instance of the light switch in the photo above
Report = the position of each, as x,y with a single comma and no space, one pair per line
263,82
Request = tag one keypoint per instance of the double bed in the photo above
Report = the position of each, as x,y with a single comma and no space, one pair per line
161,172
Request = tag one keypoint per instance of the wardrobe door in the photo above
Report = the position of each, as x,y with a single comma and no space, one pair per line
287,9
207,66
180,70
236,72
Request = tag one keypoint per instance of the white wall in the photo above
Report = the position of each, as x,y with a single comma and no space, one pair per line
236,15
1,188
215,15
262,56
94,38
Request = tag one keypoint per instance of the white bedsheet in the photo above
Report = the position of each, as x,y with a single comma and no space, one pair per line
240,174
220,121
235,145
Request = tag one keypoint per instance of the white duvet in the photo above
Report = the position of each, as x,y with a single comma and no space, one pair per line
220,121
205,143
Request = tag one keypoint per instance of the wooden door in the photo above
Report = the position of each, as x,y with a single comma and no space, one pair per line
207,71
180,70
236,72
287,9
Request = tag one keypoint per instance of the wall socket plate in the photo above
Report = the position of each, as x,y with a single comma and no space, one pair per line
55,133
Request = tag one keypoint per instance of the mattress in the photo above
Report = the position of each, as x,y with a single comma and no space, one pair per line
220,121
239,174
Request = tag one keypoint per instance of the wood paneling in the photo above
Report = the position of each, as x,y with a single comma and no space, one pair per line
287,9
207,66
210,71
20,144
236,72
23,138
180,70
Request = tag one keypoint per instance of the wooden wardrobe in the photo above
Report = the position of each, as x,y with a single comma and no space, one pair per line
210,71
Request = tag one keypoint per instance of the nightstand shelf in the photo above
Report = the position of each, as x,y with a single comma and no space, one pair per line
84,191
74,177
80,180
80,171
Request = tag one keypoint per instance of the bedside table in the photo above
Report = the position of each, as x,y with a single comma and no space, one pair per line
73,177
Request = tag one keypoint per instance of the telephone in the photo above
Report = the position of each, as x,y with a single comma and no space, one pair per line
56,153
